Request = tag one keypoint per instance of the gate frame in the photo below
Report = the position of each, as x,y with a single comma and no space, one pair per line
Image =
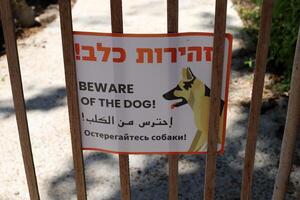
18,96
292,121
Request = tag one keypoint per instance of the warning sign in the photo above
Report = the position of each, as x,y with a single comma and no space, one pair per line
147,93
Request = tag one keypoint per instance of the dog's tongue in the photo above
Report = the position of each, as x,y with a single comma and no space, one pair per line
173,106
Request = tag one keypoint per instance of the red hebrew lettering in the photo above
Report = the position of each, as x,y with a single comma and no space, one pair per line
106,51
158,52
173,52
208,53
141,52
181,50
198,51
122,53
77,51
91,53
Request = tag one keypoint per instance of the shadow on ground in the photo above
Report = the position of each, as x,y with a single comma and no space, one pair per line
151,181
48,99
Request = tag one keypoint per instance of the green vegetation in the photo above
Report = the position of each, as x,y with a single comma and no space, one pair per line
285,27
23,13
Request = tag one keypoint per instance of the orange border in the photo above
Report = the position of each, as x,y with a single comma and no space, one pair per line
227,36
230,38
139,153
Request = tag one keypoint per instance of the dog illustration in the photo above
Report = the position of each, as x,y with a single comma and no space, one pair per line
192,91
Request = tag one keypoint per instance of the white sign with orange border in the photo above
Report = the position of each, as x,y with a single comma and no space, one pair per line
147,93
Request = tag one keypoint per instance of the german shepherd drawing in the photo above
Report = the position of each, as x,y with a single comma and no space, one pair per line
196,94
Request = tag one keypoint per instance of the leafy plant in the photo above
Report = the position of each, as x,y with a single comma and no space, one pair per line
285,27
249,62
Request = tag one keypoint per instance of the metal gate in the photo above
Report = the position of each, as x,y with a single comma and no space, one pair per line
292,121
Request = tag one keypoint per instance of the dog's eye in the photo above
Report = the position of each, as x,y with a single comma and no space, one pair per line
178,88
187,85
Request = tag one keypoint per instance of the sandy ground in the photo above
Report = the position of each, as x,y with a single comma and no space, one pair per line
44,88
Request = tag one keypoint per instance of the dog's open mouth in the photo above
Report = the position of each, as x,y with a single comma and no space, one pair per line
170,96
180,103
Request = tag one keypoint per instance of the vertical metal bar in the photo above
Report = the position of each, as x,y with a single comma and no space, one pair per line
117,27
72,95
124,176
18,96
172,19
172,16
258,84
116,16
216,88
173,177
292,126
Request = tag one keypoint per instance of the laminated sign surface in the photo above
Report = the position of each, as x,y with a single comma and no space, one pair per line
147,93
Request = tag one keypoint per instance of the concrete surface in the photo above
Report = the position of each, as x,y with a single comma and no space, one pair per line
44,88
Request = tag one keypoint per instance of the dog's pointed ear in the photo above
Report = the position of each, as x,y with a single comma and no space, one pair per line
190,74
184,73
187,74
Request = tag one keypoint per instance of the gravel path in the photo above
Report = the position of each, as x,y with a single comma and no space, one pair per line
44,88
